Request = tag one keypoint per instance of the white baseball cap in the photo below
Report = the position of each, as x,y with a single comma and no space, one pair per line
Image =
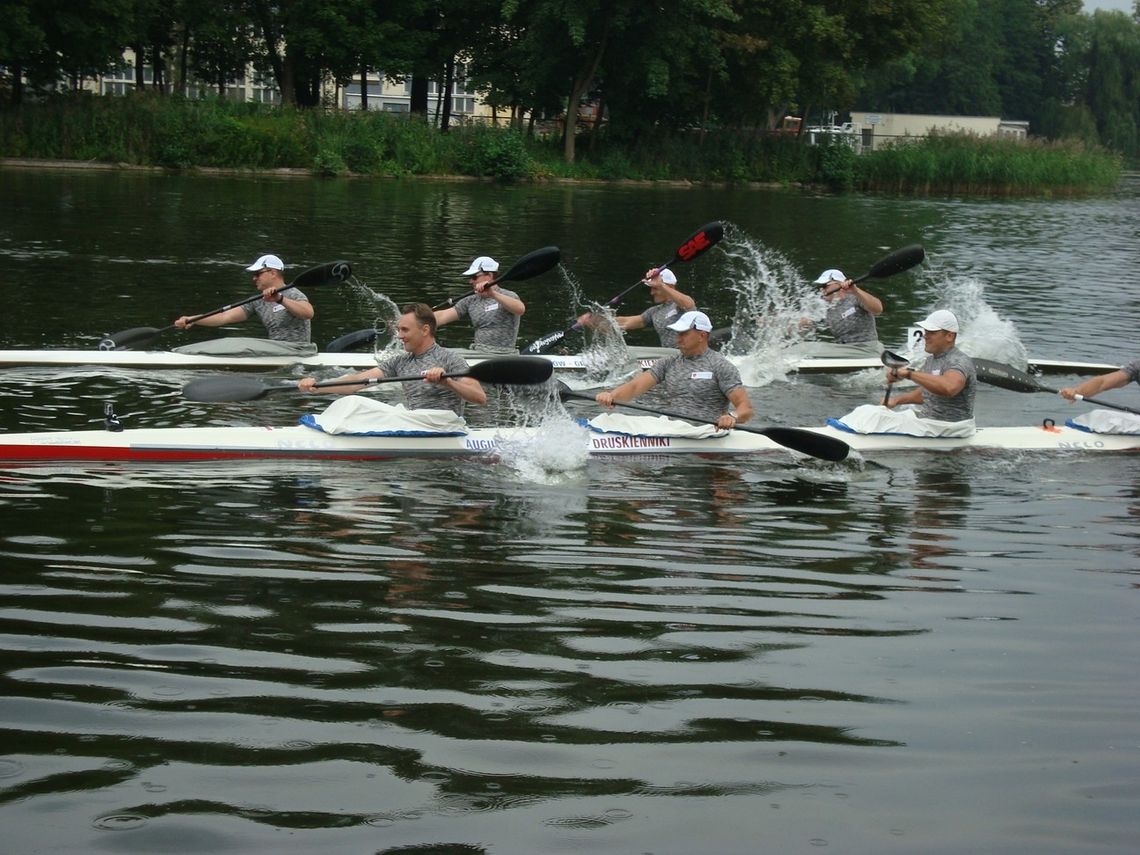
482,264
270,261
692,321
832,274
940,320
667,276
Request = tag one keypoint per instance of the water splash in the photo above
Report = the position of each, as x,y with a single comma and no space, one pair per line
983,333
771,307
554,453
383,312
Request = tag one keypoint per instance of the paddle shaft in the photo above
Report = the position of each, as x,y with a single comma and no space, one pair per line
805,441
504,370
335,271
1008,377
890,360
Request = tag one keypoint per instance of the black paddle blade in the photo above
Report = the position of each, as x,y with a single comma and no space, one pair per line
512,370
333,271
807,442
532,264
703,238
228,388
1006,376
893,360
351,341
127,339
896,262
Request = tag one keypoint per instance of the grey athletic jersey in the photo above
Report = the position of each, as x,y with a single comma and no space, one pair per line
279,322
419,394
659,317
850,322
699,385
960,406
494,326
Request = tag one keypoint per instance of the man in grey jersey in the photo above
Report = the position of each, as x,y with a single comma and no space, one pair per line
698,381
494,312
422,357
286,316
851,311
946,385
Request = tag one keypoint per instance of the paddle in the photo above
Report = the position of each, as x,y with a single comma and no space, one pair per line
530,265
503,370
896,262
333,271
527,267
352,340
891,360
706,236
804,441
1008,377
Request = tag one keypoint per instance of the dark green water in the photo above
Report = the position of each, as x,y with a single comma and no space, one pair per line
925,654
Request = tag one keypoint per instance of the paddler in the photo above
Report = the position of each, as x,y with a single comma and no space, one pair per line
697,380
946,385
286,315
494,312
423,356
669,303
851,313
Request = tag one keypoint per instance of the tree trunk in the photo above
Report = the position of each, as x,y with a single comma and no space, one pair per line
282,69
183,59
595,131
159,81
419,95
140,78
445,93
364,88
581,85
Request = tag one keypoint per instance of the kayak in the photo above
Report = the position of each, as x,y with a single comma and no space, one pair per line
357,361
299,442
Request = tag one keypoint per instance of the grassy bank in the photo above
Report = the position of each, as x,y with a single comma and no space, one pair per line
179,134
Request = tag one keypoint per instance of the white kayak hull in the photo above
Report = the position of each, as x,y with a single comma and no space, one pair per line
357,361
297,442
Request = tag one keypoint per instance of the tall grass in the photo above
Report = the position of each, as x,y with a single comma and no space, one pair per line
959,164
175,133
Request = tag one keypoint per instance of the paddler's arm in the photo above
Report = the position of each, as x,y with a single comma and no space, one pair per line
742,404
512,304
1095,385
229,316
946,385
627,391
307,384
467,388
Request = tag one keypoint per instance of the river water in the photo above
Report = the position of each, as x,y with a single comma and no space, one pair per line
920,653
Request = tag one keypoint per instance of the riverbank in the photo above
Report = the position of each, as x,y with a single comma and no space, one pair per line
216,137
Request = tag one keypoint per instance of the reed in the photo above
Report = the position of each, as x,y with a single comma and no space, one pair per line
176,133
957,164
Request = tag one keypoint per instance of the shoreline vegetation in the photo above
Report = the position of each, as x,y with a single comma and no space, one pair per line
174,134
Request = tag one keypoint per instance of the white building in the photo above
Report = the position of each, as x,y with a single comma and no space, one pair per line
466,105
875,130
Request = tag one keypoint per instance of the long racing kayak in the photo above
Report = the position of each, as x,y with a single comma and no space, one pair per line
299,442
356,361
